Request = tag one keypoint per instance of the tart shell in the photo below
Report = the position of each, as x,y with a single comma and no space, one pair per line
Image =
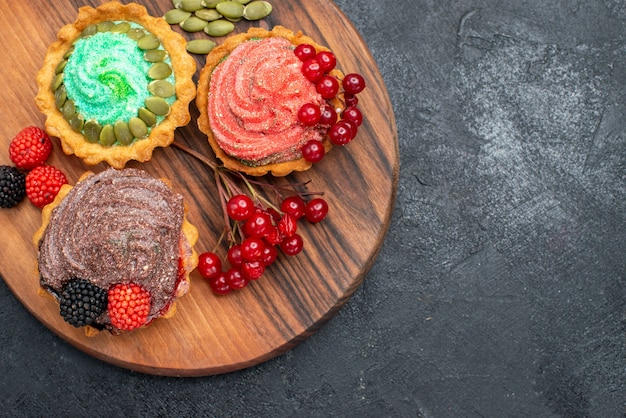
162,134
213,59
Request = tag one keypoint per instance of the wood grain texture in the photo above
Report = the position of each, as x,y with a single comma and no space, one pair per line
211,334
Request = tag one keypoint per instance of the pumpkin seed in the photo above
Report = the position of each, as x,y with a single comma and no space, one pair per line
69,109
208,14
105,26
220,27
122,132
157,105
60,67
200,46
76,122
211,3
136,33
257,10
92,129
244,2
233,19
193,24
107,136
155,55
176,3
89,30
149,41
121,27
68,53
138,128
159,71
230,9
148,117
161,88
191,5
60,95
175,16
57,81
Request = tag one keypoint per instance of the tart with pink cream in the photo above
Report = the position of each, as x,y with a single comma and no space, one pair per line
250,93
116,84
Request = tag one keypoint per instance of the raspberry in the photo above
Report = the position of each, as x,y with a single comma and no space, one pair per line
81,302
43,184
30,148
129,306
12,186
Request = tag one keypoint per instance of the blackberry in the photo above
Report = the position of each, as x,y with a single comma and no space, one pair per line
81,302
12,186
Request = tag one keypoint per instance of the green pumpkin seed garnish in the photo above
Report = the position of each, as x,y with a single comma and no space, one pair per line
92,130
136,33
257,10
176,3
89,30
200,46
147,116
122,133
161,88
76,122
60,95
121,27
68,53
193,24
138,128
105,26
175,16
57,81
155,55
208,14
191,5
107,136
211,3
157,105
217,28
60,67
149,41
230,9
159,71
68,109
244,2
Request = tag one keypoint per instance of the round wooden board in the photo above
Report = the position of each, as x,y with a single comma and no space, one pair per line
216,334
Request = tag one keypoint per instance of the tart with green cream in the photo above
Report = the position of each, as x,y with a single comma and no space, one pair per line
116,84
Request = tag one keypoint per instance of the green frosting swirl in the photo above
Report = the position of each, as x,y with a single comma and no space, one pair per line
106,77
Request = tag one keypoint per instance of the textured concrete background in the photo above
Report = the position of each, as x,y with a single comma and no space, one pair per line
501,288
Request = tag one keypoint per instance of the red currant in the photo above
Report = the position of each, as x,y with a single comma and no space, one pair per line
273,237
354,114
235,278
327,86
353,83
327,60
252,270
209,265
351,100
313,151
340,133
309,114
258,225
234,255
219,284
269,255
316,210
312,70
353,127
293,205
252,249
292,245
328,116
288,225
240,207
304,52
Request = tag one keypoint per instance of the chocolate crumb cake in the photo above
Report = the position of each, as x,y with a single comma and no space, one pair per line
118,230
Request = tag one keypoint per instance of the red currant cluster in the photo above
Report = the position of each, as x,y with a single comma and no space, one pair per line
316,67
263,230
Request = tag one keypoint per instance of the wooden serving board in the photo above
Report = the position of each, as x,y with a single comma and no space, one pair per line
216,334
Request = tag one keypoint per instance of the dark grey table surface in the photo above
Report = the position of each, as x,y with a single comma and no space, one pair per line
500,290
